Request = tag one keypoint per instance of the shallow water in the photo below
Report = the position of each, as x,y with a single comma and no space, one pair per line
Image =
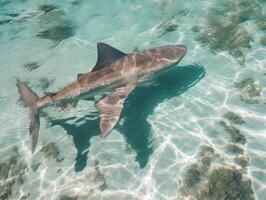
198,133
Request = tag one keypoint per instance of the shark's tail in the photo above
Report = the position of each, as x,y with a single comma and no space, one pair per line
30,100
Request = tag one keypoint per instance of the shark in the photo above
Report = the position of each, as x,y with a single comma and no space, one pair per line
115,75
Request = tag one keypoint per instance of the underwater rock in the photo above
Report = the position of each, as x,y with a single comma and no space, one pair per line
31,66
6,189
261,23
227,183
250,91
19,169
224,33
242,161
216,181
235,134
44,83
4,170
5,167
51,150
166,27
235,149
65,197
57,33
11,174
234,118
192,175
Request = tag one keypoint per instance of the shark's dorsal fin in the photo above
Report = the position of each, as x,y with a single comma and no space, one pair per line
110,108
79,75
107,55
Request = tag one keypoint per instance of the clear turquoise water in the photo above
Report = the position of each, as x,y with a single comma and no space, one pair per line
197,134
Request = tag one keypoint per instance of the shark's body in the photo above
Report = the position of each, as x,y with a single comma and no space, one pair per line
115,72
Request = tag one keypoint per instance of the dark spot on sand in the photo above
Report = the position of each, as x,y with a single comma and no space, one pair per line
5,21
65,197
99,177
12,14
166,27
57,33
234,118
51,150
46,8
235,149
35,166
31,66
235,134
44,83
250,91
75,2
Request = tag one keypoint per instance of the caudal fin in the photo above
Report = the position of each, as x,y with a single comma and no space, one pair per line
30,99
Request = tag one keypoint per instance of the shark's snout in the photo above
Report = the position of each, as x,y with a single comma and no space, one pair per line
181,50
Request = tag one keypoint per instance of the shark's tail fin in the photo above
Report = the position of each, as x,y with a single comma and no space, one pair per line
30,100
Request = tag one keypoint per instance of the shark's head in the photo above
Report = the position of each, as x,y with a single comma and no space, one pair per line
173,53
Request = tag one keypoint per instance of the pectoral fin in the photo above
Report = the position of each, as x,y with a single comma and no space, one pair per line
110,108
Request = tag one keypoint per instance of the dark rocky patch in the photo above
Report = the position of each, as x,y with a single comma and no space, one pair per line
12,171
46,8
261,23
250,91
192,175
12,14
65,197
235,134
227,183
75,2
57,33
5,21
31,66
221,36
224,31
234,118
51,150
35,166
44,83
235,149
242,161
6,189
100,177
166,27
212,183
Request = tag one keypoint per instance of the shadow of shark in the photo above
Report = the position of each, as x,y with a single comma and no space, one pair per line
138,106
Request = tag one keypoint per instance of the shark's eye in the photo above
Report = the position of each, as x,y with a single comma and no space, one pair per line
140,73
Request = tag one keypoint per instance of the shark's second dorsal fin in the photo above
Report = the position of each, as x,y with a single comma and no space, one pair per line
107,55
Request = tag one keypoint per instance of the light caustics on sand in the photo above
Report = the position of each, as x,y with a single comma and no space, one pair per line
197,131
